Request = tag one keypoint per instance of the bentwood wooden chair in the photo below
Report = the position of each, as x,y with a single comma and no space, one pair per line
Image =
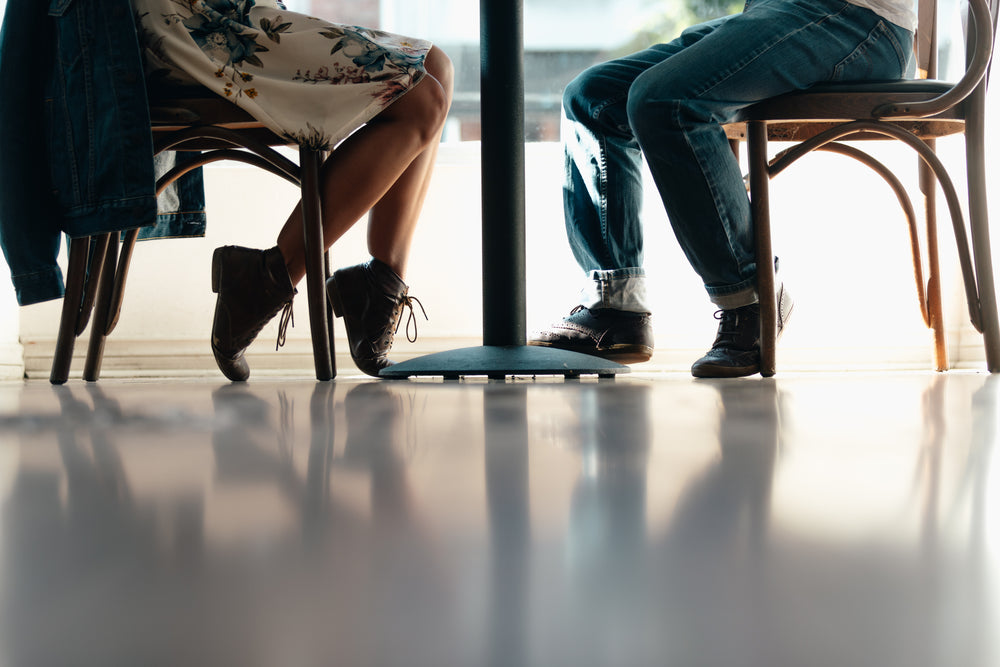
915,112
219,130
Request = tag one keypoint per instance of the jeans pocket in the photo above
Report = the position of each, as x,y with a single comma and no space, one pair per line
879,57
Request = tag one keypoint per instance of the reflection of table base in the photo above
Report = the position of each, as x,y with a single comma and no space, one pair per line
497,362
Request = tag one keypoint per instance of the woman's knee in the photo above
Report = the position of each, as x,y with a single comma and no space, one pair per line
431,97
439,65
424,108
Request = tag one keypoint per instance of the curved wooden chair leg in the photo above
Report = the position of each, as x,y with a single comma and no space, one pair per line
759,206
329,314
309,162
929,292
118,291
98,250
76,277
979,227
935,309
102,311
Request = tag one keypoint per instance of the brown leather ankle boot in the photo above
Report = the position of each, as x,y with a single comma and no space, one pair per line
253,285
370,297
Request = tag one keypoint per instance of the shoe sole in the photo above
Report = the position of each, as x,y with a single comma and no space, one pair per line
725,371
622,354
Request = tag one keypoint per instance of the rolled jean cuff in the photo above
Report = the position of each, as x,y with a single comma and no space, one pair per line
620,289
736,296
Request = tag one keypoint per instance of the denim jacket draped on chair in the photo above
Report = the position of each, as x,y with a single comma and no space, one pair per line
77,155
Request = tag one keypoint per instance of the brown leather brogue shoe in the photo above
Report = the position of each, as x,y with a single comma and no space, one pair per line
616,335
253,285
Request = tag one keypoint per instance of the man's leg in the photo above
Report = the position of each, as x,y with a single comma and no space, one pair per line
676,109
602,198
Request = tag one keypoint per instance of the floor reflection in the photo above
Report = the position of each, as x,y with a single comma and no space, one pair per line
802,521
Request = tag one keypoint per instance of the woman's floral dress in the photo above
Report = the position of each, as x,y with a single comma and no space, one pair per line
311,81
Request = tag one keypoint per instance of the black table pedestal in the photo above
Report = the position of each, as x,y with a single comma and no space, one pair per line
504,351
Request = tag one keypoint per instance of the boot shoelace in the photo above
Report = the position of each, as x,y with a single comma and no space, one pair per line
287,318
730,328
407,302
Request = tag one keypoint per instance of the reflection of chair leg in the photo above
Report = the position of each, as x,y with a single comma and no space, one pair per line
321,446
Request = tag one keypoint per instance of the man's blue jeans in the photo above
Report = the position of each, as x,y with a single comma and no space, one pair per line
667,103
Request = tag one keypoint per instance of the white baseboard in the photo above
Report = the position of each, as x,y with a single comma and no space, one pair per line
11,361
193,358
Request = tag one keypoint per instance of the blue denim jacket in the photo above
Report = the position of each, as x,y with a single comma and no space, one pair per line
76,154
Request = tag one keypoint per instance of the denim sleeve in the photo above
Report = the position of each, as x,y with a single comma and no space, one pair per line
98,117
29,229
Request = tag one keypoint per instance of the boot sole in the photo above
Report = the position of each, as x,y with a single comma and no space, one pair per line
622,354
725,371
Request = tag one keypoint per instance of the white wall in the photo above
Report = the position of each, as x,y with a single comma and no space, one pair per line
11,352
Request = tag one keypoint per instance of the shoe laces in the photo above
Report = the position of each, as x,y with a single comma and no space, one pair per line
407,302
287,318
732,327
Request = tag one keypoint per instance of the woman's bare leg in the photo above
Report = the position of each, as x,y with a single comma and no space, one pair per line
394,218
384,168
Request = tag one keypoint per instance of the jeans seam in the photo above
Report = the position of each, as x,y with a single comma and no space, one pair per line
603,171
602,198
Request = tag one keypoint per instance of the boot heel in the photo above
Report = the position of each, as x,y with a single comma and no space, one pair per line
334,294
217,270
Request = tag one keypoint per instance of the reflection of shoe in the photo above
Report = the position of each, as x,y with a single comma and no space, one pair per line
370,297
736,351
253,285
617,335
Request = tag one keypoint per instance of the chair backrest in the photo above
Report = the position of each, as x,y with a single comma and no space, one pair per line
980,27
925,43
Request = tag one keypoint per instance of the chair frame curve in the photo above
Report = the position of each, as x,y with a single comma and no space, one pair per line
961,107
98,266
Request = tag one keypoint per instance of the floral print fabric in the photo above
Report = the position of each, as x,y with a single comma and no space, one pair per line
309,80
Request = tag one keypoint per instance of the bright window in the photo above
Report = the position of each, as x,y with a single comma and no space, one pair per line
561,38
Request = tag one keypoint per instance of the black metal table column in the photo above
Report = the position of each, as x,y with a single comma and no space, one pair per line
504,350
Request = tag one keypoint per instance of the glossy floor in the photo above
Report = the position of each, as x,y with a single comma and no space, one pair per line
811,520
